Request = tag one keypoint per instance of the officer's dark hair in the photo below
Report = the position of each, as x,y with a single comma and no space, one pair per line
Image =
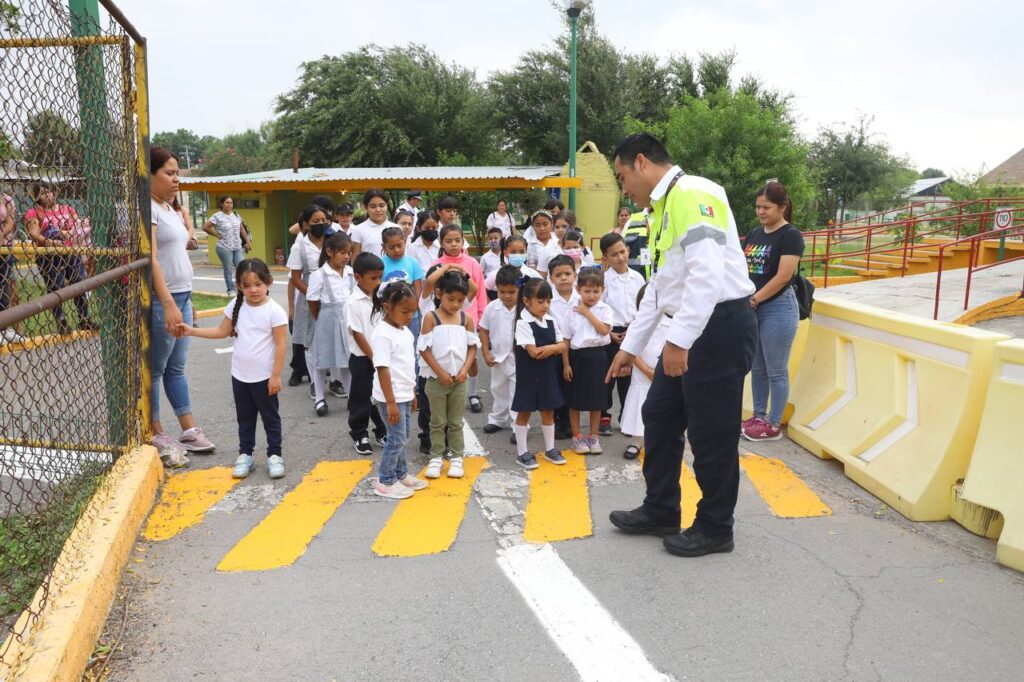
641,143
590,277
448,202
367,262
506,276
559,261
610,240
325,202
554,203
776,193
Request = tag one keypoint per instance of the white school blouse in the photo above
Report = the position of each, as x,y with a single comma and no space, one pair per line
581,331
449,344
560,308
499,322
524,332
326,276
394,348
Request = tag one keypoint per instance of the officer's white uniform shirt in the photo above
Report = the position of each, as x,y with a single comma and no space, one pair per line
692,280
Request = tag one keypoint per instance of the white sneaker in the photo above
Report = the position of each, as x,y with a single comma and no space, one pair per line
413,483
395,491
11,336
455,469
434,467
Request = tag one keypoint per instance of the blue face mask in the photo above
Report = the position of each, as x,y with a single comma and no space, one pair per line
517,260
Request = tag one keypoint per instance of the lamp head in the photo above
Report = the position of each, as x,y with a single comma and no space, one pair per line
575,7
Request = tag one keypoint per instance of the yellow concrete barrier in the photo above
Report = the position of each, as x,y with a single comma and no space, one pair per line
795,354
995,478
897,399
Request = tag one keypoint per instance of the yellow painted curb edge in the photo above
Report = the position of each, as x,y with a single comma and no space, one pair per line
1008,306
88,574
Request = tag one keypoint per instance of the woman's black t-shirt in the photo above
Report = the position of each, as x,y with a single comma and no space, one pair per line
764,251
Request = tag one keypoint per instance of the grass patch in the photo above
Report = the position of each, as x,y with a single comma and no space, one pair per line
44,322
204,301
31,542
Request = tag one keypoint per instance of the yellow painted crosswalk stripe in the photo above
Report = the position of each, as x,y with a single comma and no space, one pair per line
428,522
691,496
786,495
559,504
282,536
185,500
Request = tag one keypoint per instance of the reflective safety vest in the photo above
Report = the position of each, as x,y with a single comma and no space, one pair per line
635,234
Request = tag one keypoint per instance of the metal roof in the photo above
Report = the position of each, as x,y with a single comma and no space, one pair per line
422,177
923,185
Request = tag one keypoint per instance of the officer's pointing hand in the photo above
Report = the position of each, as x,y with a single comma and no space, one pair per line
674,360
621,365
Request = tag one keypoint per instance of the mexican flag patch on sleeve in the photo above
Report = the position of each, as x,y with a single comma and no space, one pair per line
707,211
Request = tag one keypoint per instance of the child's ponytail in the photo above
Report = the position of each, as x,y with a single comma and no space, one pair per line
234,313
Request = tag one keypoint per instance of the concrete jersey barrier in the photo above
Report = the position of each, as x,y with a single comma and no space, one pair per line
897,399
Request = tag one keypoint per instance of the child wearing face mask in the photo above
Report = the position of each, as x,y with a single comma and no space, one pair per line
491,260
513,252
424,245
572,246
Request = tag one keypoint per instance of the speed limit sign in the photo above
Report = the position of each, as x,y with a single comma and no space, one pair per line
1003,218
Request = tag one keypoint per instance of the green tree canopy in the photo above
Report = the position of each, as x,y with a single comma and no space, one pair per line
376,107
932,173
188,146
736,141
53,142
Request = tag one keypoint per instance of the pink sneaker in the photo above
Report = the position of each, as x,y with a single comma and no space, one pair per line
747,423
762,430
194,440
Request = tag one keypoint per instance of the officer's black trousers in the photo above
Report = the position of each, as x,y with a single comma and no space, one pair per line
706,404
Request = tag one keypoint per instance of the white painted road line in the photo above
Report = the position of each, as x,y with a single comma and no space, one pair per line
473,446
596,645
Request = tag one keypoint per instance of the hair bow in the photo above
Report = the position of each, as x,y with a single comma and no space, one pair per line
520,281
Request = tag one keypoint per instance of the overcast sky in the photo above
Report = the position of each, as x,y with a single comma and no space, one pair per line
944,79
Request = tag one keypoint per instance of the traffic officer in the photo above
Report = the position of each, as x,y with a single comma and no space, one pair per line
635,236
411,205
700,282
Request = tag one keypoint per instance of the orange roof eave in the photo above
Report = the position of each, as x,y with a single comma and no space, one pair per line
427,185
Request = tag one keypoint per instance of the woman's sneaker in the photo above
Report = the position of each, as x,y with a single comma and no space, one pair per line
434,467
580,445
554,455
527,461
413,483
747,423
194,440
243,466
275,466
395,491
762,430
455,469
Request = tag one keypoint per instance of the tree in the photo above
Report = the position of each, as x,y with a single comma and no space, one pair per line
376,107
932,173
245,152
189,147
732,139
849,162
51,141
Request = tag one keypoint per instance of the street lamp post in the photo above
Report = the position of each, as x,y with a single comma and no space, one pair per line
573,8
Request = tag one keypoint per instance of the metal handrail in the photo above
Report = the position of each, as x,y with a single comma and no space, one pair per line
972,267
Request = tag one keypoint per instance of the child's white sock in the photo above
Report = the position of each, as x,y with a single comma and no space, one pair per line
520,432
471,386
319,378
549,436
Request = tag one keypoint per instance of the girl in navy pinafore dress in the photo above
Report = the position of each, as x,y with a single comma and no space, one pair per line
539,344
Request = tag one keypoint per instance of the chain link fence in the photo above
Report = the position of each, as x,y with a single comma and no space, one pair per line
73,292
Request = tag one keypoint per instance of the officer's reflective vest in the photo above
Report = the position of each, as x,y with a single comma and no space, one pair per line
635,235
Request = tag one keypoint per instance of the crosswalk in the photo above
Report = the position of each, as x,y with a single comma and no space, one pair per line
557,507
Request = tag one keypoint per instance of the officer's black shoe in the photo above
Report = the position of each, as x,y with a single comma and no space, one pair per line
295,379
491,428
691,543
639,522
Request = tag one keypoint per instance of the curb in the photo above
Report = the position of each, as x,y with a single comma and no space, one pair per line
1008,306
88,572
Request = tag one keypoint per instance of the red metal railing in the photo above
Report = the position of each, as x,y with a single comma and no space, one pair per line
903,238
1016,230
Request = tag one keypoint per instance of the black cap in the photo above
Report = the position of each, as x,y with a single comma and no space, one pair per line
344,208
413,194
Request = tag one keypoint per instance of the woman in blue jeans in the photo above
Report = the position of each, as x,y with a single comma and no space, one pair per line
232,242
172,304
773,253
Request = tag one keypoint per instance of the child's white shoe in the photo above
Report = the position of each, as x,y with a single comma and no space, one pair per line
434,467
455,469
